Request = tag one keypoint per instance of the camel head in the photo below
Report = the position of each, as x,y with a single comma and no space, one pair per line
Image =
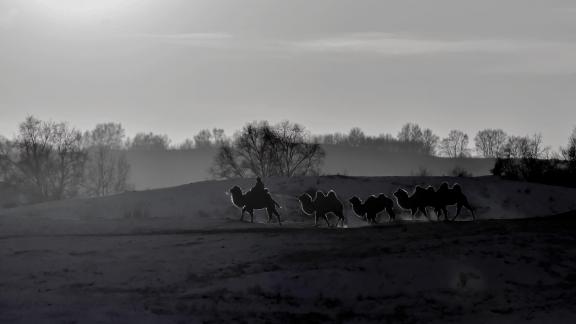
235,190
457,188
401,194
355,201
237,195
357,207
443,186
305,198
306,203
419,189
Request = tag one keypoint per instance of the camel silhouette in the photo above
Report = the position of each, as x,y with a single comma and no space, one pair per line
250,201
322,205
417,202
373,205
446,196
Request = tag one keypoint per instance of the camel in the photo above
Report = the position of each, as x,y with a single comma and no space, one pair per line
251,201
446,196
430,199
322,205
373,205
418,202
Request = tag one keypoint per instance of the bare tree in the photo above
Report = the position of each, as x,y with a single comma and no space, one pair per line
410,132
569,152
262,150
187,145
490,143
455,144
69,161
227,164
107,169
537,148
219,136
429,142
45,156
296,154
203,139
525,147
150,142
425,139
356,136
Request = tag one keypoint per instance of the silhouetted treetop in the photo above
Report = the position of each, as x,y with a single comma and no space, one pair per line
150,142
260,149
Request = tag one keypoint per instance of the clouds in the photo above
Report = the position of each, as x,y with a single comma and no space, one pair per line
392,44
521,55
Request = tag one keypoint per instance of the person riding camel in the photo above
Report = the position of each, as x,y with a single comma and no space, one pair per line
260,190
259,187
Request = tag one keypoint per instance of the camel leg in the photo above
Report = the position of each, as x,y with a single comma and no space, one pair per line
438,213
467,205
391,214
414,211
270,213
339,219
458,210
326,219
315,219
445,212
251,211
425,212
274,211
472,212
242,216
343,219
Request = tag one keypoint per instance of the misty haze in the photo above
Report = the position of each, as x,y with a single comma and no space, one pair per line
268,161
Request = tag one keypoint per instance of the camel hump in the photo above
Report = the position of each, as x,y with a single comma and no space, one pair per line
457,188
319,195
444,186
430,189
332,195
400,192
419,189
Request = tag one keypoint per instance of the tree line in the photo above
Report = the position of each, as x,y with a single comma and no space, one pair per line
53,161
56,161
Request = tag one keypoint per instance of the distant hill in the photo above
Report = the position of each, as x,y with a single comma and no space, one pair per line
204,205
159,169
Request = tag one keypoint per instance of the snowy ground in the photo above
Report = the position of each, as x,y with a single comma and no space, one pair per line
180,255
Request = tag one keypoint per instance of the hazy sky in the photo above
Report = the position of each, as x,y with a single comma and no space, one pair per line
175,66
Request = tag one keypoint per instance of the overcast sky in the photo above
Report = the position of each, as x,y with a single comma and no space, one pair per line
175,66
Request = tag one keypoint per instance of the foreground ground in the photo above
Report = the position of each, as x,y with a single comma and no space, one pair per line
491,271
